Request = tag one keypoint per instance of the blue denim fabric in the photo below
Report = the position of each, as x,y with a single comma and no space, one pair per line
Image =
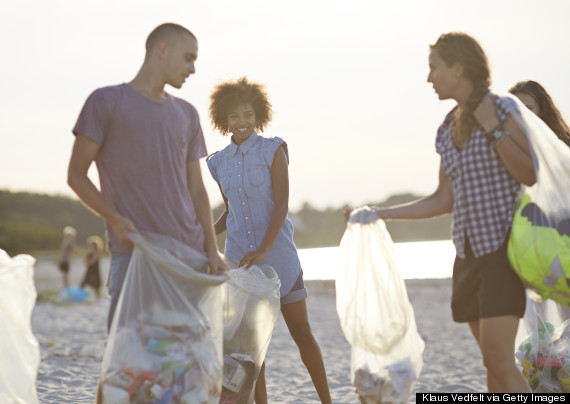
117,272
298,292
243,173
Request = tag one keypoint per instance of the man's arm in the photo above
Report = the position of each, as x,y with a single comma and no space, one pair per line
84,152
202,207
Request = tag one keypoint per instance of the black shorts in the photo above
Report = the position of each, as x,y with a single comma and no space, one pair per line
64,267
486,286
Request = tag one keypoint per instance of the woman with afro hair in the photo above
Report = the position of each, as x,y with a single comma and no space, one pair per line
252,173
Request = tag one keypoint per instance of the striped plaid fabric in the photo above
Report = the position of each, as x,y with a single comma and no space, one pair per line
484,193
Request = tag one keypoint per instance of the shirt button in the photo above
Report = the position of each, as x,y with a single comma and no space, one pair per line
239,162
243,203
250,246
248,232
246,218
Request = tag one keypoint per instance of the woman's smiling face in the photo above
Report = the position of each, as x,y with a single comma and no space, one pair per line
241,122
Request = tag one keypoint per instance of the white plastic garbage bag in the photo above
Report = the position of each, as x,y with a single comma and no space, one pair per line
251,307
543,346
19,349
375,313
165,342
539,243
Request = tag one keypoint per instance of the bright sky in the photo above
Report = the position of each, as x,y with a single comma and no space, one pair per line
347,79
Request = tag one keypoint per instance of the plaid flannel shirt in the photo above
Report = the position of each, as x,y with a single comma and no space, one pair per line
484,193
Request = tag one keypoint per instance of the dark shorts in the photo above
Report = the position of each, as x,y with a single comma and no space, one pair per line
486,286
297,293
64,267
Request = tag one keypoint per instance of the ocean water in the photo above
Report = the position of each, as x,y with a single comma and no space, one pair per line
416,260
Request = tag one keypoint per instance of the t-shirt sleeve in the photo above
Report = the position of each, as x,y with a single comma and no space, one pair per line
274,144
505,106
211,163
439,139
93,118
197,144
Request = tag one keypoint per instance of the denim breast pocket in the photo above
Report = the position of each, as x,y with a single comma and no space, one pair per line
258,175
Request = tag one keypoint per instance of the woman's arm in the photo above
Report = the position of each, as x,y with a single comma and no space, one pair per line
280,184
93,259
514,152
220,224
513,149
437,204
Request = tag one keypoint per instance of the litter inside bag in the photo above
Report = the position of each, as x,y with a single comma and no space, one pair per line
165,342
376,315
251,307
543,347
19,348
539,244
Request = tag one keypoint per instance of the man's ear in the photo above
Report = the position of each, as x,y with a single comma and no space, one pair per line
161,49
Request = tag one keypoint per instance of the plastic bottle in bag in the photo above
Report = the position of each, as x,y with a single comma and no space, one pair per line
165,342
543,347
252,304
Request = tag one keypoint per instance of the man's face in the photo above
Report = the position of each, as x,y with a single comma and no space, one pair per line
179,58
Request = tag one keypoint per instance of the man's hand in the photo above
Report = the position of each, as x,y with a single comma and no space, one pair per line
123,227
252,258
216,263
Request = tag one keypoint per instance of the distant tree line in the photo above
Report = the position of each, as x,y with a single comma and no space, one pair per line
31,222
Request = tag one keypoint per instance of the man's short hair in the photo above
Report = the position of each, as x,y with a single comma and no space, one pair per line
163,31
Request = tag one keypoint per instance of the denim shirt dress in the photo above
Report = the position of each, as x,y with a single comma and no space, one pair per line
244,175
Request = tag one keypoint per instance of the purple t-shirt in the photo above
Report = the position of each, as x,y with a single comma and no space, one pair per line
144,148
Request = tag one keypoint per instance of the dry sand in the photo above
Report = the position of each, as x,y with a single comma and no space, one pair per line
72,340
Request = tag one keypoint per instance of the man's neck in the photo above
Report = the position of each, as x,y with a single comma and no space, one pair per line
148,84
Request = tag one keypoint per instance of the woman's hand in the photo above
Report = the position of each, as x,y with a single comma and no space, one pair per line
252,258
486,114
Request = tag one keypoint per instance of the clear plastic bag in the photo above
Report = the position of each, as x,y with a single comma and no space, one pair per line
375,313
251,307
19,348
543,347
539,244
165,342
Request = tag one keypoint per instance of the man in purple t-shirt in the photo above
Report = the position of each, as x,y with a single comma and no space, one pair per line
146,145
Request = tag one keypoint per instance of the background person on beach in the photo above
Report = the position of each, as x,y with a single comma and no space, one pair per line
536,98
253,177
92,276
147,145
67,246
484,158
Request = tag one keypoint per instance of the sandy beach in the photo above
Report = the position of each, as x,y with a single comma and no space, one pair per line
72,340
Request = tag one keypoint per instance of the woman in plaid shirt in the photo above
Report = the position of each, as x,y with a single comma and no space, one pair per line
484,159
